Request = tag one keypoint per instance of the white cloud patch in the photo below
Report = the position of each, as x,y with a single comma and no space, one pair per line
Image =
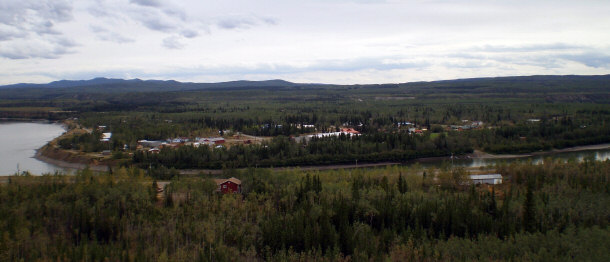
28,29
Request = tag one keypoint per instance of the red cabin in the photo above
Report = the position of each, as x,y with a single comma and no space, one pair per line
231,185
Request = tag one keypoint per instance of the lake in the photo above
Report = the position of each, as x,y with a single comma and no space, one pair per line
19,141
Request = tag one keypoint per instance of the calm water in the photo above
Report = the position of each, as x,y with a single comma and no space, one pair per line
18,144
599,154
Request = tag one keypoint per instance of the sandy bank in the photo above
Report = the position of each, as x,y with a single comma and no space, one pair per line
67,164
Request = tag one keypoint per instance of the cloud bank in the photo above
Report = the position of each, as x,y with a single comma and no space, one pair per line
338,41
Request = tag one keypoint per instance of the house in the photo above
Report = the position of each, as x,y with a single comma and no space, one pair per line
106,137
154,150
413,130
349,131
218,140
490,179
231,185
151,144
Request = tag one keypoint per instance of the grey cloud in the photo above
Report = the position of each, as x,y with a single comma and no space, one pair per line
468,64
379,63
117,38
172,43
270,21
8,33
27,28
243,22
528,48
154,3
189,33
60,11
52,49
154,23
35,16
106,35
548,56
235,23
164,7
338,65
591,59
482,60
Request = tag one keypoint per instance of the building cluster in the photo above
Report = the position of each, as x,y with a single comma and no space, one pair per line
343,131
467,125
417,131
154,146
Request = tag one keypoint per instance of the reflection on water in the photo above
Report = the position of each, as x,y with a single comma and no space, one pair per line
600,155
19,141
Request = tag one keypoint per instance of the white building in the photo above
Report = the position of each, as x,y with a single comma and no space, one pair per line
491,179
106,137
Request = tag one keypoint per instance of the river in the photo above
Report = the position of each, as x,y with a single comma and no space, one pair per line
594,154
19,141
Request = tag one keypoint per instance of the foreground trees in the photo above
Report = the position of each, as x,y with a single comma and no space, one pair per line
549,211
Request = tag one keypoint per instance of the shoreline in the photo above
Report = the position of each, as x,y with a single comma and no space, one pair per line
477,154
43,154
67,165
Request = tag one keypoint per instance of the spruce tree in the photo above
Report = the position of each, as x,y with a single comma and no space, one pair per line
529,222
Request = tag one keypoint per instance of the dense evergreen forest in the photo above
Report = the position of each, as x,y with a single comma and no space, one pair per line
552,211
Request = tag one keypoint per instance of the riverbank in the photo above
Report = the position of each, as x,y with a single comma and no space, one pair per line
67,161
70,159
477,154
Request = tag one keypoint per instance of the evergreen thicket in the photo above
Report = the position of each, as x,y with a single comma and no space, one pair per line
551,211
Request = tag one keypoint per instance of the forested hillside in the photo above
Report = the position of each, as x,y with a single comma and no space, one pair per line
554,211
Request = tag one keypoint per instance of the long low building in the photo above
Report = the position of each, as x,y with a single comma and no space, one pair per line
491,179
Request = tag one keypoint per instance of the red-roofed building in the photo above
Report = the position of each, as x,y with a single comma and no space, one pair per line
231,185
349,130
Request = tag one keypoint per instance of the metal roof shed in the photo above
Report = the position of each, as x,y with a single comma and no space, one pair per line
491,179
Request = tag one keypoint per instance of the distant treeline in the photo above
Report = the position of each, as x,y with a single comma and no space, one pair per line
531,137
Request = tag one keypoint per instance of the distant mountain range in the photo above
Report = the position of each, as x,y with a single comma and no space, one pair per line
113,82
596,87
172,84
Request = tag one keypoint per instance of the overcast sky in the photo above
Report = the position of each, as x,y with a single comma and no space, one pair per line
321,41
